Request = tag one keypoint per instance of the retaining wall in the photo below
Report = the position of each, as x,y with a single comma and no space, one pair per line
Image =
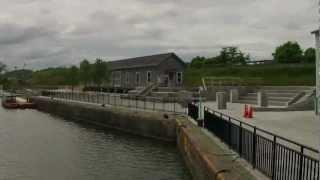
204,158
149,124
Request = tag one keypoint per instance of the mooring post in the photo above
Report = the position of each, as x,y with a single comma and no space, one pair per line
200,110
221,100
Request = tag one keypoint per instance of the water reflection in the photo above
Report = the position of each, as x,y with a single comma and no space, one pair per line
38,146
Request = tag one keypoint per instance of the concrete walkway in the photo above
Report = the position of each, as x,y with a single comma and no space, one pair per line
300,126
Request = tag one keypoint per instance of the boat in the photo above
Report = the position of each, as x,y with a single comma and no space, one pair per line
14,102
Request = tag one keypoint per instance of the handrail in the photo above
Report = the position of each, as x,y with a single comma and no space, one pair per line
266,132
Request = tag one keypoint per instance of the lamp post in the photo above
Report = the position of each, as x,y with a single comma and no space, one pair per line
317,98
317,46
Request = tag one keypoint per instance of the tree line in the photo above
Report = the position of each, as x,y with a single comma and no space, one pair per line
289,52
86,73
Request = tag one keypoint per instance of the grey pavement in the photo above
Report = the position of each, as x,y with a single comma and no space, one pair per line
300,126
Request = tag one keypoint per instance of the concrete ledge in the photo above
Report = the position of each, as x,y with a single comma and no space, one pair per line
280,109
149,124
205,159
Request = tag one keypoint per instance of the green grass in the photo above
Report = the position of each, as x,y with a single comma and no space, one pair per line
272,74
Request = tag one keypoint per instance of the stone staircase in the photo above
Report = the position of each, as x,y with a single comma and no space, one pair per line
277,95
143,91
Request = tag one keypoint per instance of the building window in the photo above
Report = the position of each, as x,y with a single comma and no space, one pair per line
127,78
149,76
117,78
137,78
179,77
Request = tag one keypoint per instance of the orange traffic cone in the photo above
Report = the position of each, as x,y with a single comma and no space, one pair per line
250,113
245,113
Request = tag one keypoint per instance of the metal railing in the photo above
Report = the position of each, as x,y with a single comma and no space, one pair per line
275,156
170,104
213,82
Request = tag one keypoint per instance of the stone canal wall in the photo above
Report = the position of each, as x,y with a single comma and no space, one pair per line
149,124
205,159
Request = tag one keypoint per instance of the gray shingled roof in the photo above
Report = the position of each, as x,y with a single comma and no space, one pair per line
138,62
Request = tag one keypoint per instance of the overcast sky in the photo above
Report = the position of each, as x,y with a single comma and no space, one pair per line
43,33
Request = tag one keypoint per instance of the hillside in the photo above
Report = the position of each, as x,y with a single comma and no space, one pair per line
19,74
272,74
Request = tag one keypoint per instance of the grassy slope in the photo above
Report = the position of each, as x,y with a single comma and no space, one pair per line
273,74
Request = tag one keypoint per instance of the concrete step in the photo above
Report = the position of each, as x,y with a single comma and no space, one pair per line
298,88
270,103
281,94
281,91
280,99
254,98
248,98
247,101
277,103
251,95
272,94
288,95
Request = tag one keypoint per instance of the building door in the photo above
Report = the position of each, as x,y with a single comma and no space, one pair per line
165,80
171,79
137,78
117,79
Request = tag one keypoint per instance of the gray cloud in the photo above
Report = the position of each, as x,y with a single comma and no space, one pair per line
55,33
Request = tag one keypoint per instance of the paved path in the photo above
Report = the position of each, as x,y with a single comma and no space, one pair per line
300,126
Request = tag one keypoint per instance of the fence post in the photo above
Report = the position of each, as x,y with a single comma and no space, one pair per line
98,97
163,104
254,143
301,163
136,99
274,157
174,104
229,132
240,139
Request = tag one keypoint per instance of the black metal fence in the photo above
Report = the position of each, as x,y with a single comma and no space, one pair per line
275,156
171,104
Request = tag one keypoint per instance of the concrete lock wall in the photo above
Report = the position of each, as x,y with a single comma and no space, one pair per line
149,124
204,158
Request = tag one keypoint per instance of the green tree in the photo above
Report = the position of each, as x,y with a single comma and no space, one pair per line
309,55
85,69
197,62
73,77
51,77
289,52
232,55
2,67
100,72
211,61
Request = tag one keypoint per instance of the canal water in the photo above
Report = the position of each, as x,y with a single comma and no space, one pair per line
38,146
